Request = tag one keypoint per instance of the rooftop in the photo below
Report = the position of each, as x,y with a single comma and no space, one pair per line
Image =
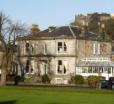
61,32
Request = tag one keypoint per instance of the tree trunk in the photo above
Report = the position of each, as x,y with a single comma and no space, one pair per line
3,77
3,71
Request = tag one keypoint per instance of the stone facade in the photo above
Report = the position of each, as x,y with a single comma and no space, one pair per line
61,56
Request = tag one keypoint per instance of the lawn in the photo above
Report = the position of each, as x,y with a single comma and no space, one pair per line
30,95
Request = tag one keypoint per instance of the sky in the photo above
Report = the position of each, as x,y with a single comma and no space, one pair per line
47,13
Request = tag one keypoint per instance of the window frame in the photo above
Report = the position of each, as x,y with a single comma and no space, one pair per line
62,48
63,66
96,48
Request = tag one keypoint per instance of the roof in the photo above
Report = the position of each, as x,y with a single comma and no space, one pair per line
61,32
97,63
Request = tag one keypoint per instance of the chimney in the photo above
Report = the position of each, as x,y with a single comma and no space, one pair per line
34,28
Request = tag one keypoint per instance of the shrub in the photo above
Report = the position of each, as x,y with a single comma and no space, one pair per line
93,81
45,78
71,80
77,79
10,77
22,78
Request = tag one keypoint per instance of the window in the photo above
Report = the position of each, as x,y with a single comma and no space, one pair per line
27,47
27,66
84,70
112,49
100,69
65,47
109,70
59,67
112,70
96,48
32,49
62,67
59,46
45,68
95,70
62,47
45,49
89,69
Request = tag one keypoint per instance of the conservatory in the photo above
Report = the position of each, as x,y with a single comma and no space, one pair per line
96,66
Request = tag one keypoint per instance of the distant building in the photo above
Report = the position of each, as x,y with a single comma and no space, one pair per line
64,52
81,20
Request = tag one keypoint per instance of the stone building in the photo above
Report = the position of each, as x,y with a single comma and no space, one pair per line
64,52
82,20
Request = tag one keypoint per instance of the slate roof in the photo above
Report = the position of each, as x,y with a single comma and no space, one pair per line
61,32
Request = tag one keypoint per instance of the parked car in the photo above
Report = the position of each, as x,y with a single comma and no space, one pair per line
111,81
109,84
104,83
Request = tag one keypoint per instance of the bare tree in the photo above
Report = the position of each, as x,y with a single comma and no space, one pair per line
8,33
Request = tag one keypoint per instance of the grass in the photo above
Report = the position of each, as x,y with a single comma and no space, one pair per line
30,95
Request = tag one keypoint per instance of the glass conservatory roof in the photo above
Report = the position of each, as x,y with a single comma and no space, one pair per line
96,62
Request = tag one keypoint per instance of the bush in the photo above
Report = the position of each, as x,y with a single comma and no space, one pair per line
22,78
93,81
78,79
10,77
45,78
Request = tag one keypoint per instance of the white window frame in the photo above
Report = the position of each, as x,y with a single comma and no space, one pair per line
63,64
62,49
96,49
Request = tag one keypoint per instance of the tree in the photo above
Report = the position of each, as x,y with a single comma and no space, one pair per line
8,33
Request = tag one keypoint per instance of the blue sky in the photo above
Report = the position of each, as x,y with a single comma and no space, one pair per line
52,12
